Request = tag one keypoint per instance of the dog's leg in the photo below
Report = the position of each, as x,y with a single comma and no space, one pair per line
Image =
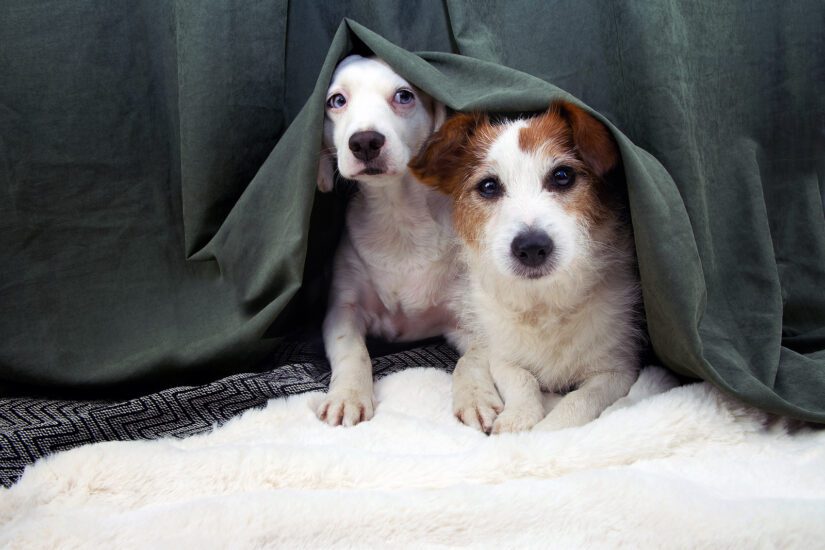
349,400
520,390
475,399
589,400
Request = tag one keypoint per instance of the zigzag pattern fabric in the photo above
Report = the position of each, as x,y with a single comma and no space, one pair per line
33,428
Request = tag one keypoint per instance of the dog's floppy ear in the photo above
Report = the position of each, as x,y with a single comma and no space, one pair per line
593,140
439,115
440,161
326,172
326,160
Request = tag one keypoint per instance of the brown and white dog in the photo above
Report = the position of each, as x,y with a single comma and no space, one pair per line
396,263
551,294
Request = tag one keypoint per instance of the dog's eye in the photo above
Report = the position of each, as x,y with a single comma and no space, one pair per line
403,97
563,176
336,101
489,188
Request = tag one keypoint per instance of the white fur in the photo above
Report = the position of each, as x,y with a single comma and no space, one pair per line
573,327
397,261
527,204
664,467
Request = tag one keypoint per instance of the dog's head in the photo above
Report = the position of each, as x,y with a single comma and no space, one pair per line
529,195
375,123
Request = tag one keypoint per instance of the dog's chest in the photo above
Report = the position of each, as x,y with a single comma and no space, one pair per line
407,264
557,346
410,261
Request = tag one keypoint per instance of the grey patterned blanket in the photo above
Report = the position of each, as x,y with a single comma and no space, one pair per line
32,428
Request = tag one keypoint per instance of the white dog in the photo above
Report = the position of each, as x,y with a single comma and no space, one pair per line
551,297
396,263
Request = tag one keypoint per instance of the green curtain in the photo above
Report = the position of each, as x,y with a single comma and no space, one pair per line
159,219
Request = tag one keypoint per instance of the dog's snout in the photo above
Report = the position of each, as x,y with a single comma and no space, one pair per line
365,146
532,248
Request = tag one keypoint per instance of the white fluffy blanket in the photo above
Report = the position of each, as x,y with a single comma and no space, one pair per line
665,467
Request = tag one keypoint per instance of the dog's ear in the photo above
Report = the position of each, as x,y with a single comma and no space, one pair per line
440,161
439,115
326,172
593,140
326,160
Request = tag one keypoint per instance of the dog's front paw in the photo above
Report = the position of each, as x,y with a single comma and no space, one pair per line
346,407
558,420
517,419
477,406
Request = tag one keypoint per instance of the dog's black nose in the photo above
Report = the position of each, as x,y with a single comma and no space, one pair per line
366,145
532,248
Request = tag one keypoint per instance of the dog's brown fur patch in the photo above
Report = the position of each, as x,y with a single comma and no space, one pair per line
443,160
567,130
548,129
447,163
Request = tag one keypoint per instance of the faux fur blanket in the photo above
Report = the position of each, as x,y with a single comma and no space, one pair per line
665,467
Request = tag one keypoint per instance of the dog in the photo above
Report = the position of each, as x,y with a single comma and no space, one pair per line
551,293
396,261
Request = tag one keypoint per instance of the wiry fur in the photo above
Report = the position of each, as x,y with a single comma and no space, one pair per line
396,262
569,325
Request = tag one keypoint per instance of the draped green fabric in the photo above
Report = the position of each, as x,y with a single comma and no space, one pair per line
159,220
